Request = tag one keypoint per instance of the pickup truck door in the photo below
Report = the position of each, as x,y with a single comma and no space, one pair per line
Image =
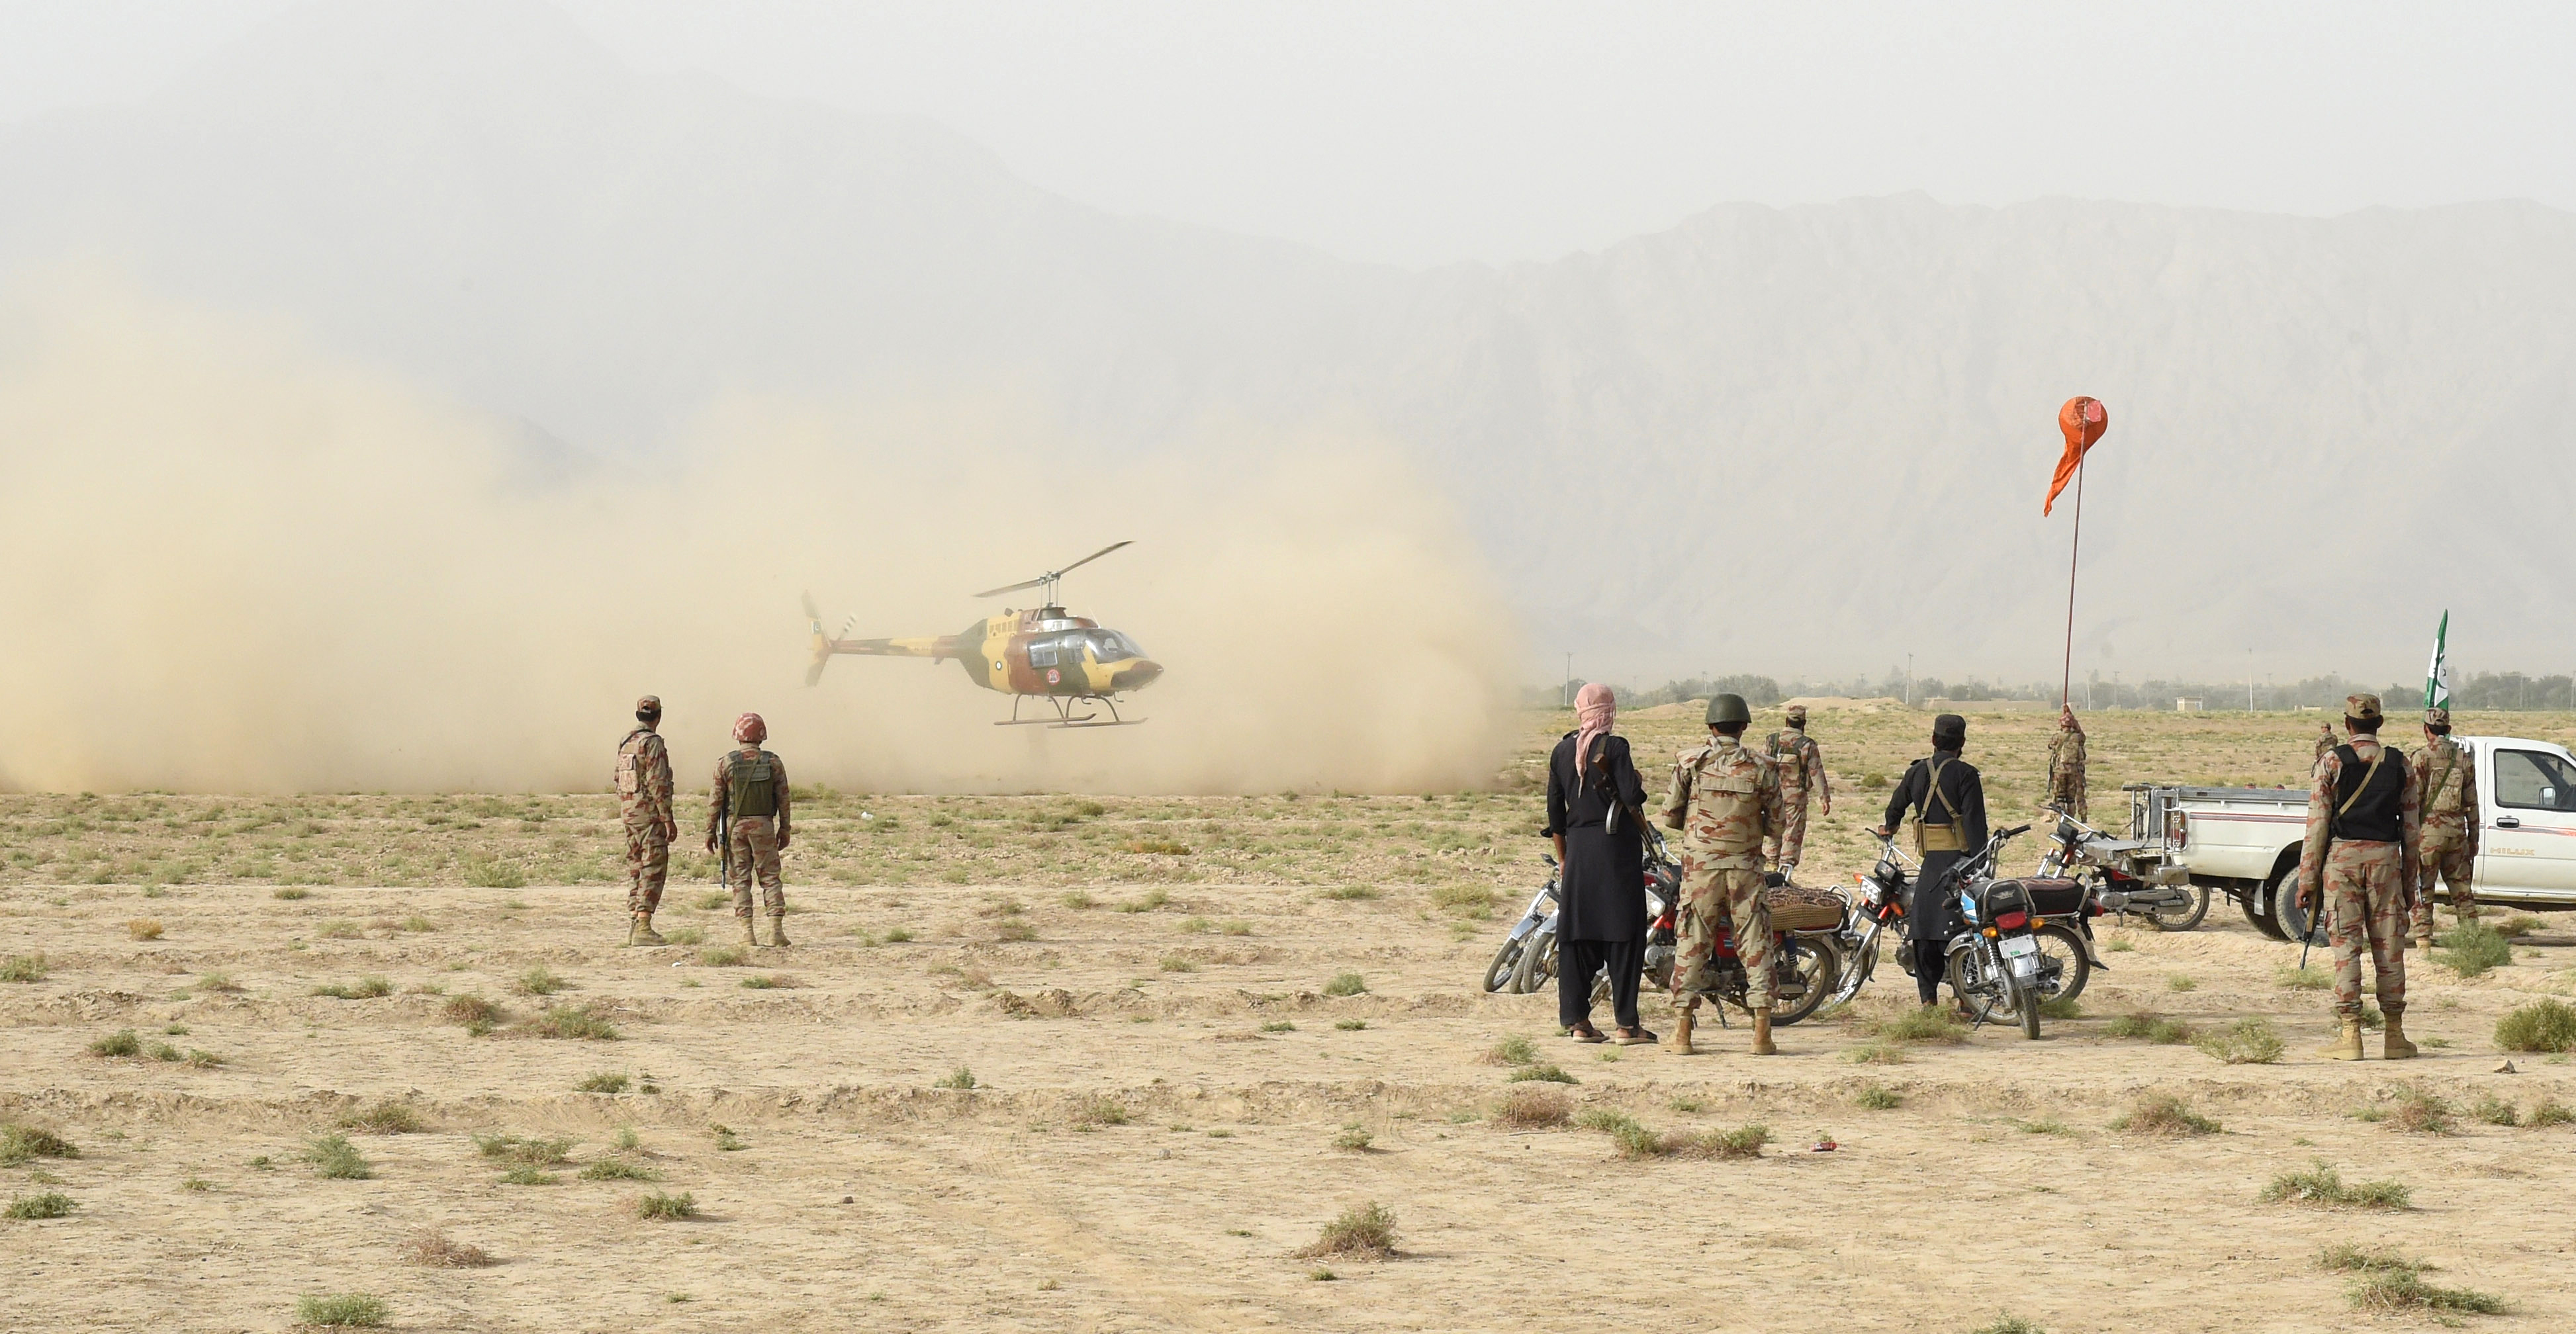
2527,851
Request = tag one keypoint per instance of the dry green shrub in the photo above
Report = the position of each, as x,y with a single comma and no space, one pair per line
539,981
528,1174
143,928
475,1013
345,1310
2303,978
1878,1098
523,1150
122,1042
1742,1142
1514,1050
1468,901
385,1118
618,1169
1877,1053
2550,1112
1345,983
24,1143
2248,1041
1099,1110
2495,1111
2164,1116
1532,1107
1922,1024
2146,1024
1364,1232
587,1023
2406,1290
221,982
2321,1187
771,982
2419,1113
733,956
51,1204
23,968
959,1078
334,1158
1543,1074
365,988
655,1205
2545,1025
1354,1137
603,1082
432,1249
2473,949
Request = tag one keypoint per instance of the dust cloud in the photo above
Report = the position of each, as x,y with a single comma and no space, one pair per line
235,563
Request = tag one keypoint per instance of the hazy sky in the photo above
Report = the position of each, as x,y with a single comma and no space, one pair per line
1427,132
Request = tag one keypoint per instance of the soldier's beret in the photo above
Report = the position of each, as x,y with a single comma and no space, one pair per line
2437,717
1797,713
649,704
2364,707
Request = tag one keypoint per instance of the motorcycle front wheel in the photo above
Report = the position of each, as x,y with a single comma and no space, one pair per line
1538,962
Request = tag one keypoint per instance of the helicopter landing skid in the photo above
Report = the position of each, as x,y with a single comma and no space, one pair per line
1064,715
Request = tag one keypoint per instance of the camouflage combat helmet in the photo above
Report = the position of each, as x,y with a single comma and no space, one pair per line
1728,709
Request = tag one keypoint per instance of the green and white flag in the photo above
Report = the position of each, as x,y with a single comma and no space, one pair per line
2437,676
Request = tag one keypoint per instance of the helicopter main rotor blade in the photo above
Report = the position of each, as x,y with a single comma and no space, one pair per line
1090,558
1052,575
812,613
1011,588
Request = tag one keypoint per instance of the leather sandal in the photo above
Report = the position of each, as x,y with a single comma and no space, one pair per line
1585,1032
1634,1037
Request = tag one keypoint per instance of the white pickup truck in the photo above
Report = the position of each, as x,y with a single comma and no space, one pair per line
2244,841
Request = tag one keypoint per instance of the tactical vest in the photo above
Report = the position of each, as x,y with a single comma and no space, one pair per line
1788,758
2443,789
2370,800
1734,802
630,763
752,782
1930,837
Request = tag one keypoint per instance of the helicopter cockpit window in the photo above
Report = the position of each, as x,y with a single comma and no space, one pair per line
1111,646
1042,653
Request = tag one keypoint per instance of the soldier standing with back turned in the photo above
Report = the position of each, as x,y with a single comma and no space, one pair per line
2446,793
2066,765
1725,800
1802,771
2359,861
644,801
749,804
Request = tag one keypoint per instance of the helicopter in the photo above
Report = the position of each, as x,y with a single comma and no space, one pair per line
1072,662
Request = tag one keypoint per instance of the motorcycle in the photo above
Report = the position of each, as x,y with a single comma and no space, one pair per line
1806,960
2126,876
1534,966
1997,965
1501,971
1875,907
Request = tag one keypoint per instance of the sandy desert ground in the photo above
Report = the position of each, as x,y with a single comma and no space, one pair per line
1167,1103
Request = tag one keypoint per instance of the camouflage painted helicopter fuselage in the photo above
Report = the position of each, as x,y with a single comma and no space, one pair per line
1040,651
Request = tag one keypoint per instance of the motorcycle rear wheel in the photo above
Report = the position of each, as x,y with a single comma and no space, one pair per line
2182,919
2075,967
1816,962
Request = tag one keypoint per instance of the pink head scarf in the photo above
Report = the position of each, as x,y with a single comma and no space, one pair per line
1594,708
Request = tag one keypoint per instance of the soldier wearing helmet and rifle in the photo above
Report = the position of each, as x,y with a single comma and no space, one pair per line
1725,800
748,811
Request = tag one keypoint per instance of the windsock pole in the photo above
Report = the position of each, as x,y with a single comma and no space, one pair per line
2066,682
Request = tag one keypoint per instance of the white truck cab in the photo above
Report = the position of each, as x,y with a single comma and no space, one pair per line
2244,841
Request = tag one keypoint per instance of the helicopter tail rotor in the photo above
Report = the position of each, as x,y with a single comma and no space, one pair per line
822,645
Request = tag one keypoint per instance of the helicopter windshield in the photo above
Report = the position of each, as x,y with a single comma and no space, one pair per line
1111,646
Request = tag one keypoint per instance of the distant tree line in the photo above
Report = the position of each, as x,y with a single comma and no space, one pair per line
2482,690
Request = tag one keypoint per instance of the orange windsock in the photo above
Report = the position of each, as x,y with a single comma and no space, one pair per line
2083,420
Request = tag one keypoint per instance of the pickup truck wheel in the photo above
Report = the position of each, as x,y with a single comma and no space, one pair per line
2286,912
2257,903
2184,918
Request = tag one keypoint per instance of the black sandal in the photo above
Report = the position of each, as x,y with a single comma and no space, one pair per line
1585,1032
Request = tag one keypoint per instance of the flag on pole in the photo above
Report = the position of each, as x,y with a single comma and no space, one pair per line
2082,421
2437,674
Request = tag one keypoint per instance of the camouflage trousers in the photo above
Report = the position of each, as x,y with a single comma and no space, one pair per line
1713,900
755,852
2365,897
1784,850
648,862
2066,793
2445,853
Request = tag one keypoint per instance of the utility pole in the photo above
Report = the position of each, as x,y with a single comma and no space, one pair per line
2249,680
1565,693
1909,680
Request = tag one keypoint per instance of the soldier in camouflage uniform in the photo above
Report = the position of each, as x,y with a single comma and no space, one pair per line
1725,800
2446,792
2066,765
2359,860
2325,745
750,804
644,802
1801,764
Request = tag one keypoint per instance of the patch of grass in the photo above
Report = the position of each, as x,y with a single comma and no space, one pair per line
770,982
1513,1050
2473,949
1470,901
222,982
2165,1116
580,1022
2180,982
334,1158
655,1205
1350,1025
2406,1290
2046,1125
726,1140
1878,1098
528,1174
1364,1232
488,873
1924,1024
526,1151
163,1051
2119,945
1194,926
1152,899
735,956
51,1204
1077,899
606,1081
23,968
344,1310
1741,1142
2309,978
365,988
2146,1024
196,1185
2550,1112
711,900
617,1169
122,1042
1178,963
2495,1111
1877,1053
432,1249
2061,1007
1279,1026
2420,1113
1235,927
199,1059
2544,1025
2007,1323
539,981
1687,1106
684,935
959,1078
1353,1138
143,928
417,924
1346,983
339,930
1533,1108
24,1143
1549,1073
2248,1041
385,1118
2321,1187
290,893
475,1013
1349,893
1099,1110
